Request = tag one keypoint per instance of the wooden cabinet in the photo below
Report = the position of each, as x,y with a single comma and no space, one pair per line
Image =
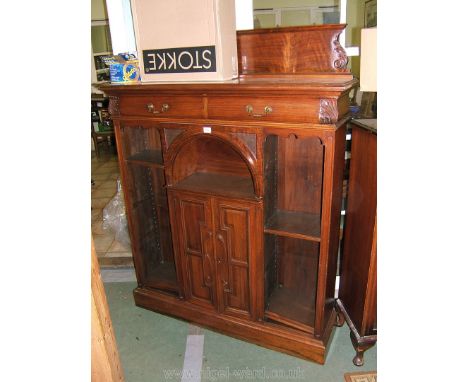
233,192
358,285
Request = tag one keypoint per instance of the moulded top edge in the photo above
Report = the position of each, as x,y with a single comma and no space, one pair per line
297,85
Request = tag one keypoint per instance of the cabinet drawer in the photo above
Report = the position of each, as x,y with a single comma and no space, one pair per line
273,109
162,106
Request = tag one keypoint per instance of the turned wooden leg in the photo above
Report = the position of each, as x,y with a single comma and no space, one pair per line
361,345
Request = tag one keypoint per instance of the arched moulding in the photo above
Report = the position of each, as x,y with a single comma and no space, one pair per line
296,134
328,111
114,107
245,154
340,59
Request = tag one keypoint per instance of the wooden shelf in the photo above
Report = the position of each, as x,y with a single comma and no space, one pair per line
290,308
219,184
300,225
147,157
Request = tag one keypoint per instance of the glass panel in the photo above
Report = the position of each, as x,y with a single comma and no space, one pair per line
172,134
152,233
264,20
331,17
297,14
142,145
293,170
249,139
293,186
295,18
101,39
291,267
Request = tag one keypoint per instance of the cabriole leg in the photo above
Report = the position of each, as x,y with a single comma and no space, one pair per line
360,345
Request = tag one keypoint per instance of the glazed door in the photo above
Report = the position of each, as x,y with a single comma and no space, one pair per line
236,243
144,183
191,216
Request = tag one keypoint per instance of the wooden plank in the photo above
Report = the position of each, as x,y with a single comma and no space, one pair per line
105,361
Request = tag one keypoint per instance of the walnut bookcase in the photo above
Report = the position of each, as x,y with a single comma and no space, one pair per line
233,190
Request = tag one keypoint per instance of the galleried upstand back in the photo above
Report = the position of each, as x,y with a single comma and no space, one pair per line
233,190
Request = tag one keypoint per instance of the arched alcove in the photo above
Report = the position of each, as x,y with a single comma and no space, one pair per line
209,163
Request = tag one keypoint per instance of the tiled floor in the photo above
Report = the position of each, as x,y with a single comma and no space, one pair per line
105,172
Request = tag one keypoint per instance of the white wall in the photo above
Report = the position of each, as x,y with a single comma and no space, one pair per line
244,14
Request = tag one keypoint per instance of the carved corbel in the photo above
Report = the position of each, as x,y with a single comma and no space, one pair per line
328,112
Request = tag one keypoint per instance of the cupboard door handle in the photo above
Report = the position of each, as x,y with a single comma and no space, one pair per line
208,277
164,108
221,239
267,110
226,287
206,260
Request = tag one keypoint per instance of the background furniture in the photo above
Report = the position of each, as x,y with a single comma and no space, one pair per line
101,44
358,282
102,138
99,118
233,190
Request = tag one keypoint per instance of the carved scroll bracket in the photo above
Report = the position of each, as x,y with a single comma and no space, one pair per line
328,112
340,59
114,108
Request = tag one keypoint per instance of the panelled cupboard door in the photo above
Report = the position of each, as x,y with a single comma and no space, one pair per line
235,246
191,216
216,243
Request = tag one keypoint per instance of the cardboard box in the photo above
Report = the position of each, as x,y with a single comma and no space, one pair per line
185,40
123,68
128,72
